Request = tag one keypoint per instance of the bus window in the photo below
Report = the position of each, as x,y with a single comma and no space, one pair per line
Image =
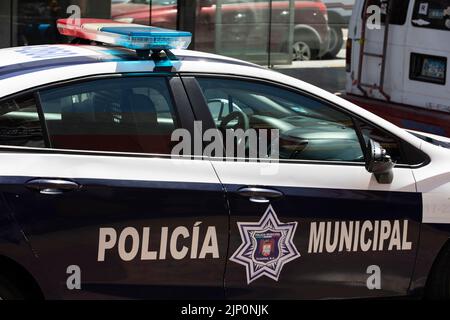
434,14
399,10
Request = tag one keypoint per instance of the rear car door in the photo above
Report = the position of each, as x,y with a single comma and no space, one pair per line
311,223
105,200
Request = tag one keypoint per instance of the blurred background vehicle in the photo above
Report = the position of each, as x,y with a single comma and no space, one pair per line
339,13
267,32
161,13
237,27
36,22
400,70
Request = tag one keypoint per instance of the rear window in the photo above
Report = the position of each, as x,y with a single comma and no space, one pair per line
399,10
125,115
19,123
433,14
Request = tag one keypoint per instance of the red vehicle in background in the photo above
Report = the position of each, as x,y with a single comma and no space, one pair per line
238,27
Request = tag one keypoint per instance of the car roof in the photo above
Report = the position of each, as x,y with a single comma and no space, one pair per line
22,60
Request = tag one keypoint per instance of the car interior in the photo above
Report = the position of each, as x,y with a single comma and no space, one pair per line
308,130
121,118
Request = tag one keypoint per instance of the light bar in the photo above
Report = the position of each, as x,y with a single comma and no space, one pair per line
128,35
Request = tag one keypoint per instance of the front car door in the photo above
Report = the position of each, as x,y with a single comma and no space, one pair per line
314,223
105,200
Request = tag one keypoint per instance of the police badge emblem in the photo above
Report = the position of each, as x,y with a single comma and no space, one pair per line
267,245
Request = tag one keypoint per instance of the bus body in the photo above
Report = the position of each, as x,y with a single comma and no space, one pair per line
416,86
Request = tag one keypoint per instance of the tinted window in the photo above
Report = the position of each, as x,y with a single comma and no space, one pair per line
433,14
399,10
124,115
19,123
309,129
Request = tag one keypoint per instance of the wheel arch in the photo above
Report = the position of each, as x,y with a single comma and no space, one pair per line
435,266
22,278
434,242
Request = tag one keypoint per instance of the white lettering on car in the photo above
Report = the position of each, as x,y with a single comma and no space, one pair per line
175,243
354,236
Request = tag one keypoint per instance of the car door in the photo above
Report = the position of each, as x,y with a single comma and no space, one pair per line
105,203
311,222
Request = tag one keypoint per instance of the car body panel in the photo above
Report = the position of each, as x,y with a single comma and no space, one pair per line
207,191
331,195
119,192
15,246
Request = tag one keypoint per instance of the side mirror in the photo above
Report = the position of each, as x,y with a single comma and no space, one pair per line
379,163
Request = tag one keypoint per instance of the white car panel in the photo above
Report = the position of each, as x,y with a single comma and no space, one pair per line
309,175
95,166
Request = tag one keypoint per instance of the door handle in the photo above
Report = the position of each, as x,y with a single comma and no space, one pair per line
260,195
52,186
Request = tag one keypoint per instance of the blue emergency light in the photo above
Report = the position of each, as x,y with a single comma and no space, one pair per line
131,36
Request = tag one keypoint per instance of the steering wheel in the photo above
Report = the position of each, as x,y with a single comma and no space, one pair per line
243,121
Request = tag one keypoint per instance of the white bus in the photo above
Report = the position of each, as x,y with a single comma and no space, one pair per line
401,71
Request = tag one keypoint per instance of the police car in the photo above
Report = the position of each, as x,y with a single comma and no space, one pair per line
96,204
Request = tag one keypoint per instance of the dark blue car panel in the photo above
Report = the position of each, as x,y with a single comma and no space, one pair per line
63,230
16,253
340,273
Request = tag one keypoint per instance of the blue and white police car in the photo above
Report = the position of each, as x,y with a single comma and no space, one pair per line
94,203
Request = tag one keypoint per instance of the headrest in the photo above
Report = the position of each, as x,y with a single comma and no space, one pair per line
143,109
77,112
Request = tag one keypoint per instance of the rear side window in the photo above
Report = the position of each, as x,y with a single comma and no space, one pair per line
433,14
399,10
19,123
122,115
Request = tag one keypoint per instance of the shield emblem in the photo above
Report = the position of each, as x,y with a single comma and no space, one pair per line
267,246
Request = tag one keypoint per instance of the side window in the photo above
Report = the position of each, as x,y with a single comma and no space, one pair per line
399,10
434,14
133,114
308,129
19,123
